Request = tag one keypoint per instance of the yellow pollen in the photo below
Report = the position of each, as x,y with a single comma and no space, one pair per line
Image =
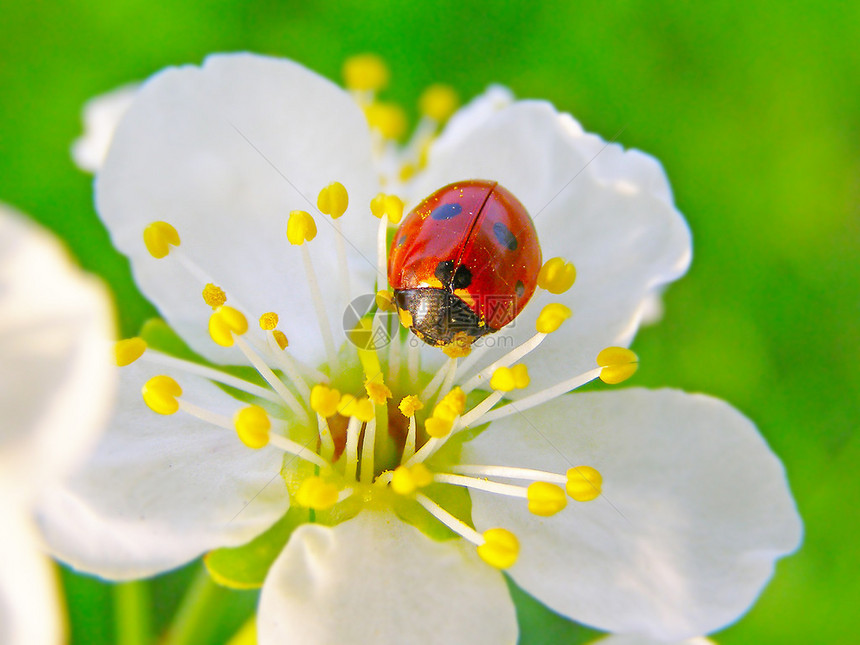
214,296
365,72
551,317
545,499
405,318
225,322
584,483
301,228
460,347
316,493
389,205
506,379
618,363
252,426
556,276
159,237
406,172
456,398
377,392
407,479
438,427
127,351
500,548
160,394
409,405
438,102
324,400
387,118
269,321
333,200
385,300
360,408
445,411
281,339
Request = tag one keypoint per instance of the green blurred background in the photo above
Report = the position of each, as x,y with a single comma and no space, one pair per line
754,110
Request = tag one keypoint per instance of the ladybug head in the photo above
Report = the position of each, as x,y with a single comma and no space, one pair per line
438,317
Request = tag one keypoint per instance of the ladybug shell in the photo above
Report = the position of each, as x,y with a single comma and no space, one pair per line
474,240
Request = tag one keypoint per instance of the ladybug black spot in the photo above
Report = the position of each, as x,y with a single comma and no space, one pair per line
446,211
462,278
520,288
504,236
444,270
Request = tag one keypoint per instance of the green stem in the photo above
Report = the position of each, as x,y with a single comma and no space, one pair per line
131,604
194,615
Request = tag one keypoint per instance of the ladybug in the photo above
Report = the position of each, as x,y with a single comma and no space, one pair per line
463,263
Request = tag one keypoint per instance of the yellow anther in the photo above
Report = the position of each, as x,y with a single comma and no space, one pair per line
407,479
281,339
407,171
252,426
556,275
409,405
159,237
445,411
377,392
545,499
214,296
551,317
316,493
500,549
360,408
405,317
224,323
269,321
301,228
389,205
385,300
459,348
324,400
583,483
129,350
456,398
438,427
365,72
387,118
333,200
160,394
618,363
506,379
438,102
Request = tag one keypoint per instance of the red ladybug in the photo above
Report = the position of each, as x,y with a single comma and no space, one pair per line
463,263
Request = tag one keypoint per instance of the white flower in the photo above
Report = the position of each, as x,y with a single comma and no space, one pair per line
56,381
207,166
101,116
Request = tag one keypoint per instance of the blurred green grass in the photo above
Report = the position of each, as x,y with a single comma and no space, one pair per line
754,110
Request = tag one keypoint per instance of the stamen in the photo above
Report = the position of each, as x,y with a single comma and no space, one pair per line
618,363
388,119
406,480
546,499
368,448
203,414
551,317
556,276
456,525
159,237
271,378
500,548
324,400
413,359
214,296
506,379
438,102
365,72
408,406
301,228
409,444
316,493
333,200
326,440
508,490
543,396
294,448
377,391
253,426
161,394
445,413
226,324
127,351
269,321
509,472
351,450
388,208
584,483
442,374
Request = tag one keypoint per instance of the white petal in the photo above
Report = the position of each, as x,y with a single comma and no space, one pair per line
30,612
56,370
618,639
694,512
101,116
375,579
474,114
607,210
161,490
224,153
